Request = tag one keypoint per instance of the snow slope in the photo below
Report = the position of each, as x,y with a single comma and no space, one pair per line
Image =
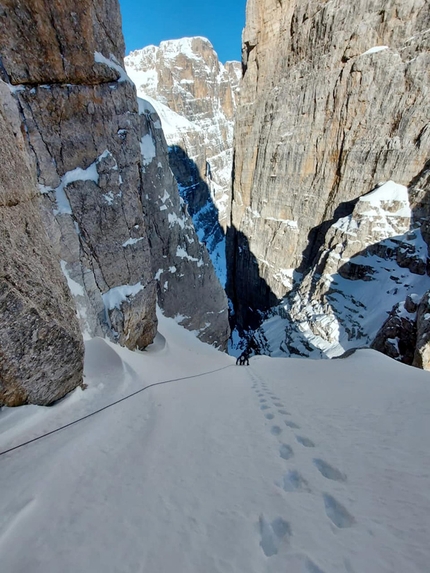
286,465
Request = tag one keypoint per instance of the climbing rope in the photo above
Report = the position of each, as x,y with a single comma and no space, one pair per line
110,406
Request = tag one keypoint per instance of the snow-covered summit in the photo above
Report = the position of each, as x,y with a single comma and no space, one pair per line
195,96
186,75
190,47
185,46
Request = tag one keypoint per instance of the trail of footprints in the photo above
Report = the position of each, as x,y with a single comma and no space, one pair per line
273,533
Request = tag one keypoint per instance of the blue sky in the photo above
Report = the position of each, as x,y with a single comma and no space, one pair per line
147,22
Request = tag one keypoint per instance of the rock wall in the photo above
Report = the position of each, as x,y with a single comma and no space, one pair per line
188,288
41,347
324,116
92,167
334,102
81,120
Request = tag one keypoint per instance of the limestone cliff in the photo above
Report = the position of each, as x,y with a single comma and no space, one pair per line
88,151
195,96
188,288
333,104
41,347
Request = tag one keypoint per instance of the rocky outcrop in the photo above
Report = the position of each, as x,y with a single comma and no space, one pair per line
188,289
195,96
398,336
41,347
332,105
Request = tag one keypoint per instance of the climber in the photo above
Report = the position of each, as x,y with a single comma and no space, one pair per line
243,359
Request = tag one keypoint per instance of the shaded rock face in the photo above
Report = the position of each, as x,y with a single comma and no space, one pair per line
41,347
422,347
82,125
344,301
397,337
188,289
333,105
195,96
405,335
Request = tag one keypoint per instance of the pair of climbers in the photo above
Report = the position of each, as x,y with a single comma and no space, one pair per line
251,347
243,359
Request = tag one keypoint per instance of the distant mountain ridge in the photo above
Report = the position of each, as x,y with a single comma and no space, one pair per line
196,97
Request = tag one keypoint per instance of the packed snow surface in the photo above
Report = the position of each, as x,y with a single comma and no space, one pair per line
287,465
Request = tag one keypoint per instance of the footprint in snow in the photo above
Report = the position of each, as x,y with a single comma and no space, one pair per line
264,407
272,534
337,513
294,481
292,425
284,412
286,451
275,430
312,568
263,400
269,416
305,442
278,404
329,471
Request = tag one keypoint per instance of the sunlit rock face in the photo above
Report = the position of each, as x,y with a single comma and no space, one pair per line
333,107
81,120
195,96
76,175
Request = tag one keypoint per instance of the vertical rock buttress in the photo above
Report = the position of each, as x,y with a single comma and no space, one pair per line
41,346
334,102
88,156
63,63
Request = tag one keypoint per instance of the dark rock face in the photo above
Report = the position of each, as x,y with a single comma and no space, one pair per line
397,337
422,348
41,347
